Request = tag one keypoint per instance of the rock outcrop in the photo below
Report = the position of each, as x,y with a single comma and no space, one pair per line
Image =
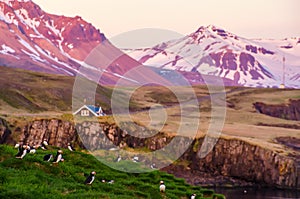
290,111
241,160
4,131
104,136
56,132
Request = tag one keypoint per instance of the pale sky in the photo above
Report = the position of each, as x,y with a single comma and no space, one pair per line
276,19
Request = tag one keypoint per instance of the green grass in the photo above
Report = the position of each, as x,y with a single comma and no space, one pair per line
32,178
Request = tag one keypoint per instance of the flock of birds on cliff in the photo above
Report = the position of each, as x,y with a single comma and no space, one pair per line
24,149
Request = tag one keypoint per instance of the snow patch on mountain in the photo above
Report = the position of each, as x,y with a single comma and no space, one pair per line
27,45
6,49
213,51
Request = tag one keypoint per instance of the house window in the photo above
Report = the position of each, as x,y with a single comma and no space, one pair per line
85,113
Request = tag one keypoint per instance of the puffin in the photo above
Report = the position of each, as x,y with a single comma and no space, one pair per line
70,147
33,149
25,151
58,156
48,157
44,144
90,179
153,166
135,159
22,152
162,187
193,196
28,148
19,147
118,159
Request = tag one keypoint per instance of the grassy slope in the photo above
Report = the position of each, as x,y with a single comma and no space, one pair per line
23,91
34,178
241,121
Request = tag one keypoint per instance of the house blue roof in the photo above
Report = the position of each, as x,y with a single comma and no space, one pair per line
93,108
97,111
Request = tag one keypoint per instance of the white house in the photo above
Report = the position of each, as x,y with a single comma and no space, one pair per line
89,111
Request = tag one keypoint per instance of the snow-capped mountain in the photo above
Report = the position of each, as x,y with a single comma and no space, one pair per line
213,51
35,40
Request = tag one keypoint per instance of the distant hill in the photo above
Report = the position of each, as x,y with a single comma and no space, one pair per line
31,91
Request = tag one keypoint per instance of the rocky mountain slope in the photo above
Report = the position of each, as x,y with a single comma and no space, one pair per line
214,51
35,40
47,42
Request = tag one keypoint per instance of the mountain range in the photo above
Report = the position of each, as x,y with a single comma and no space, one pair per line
32,39
214,51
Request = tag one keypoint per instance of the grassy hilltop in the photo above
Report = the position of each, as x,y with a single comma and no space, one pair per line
33,92
32,178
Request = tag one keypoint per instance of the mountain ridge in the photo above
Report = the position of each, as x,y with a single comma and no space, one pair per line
28,31
35,40
32,39
214,51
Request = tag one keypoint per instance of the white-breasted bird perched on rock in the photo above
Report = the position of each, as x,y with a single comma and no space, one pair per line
90,179
162,186
193,196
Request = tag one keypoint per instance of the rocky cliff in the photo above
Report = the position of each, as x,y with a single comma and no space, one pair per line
104,136
239,159
4,131
56,132
231,159
290,111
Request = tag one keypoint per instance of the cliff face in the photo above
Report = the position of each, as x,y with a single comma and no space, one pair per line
103,136
230,158
4,131
291,111
242,160
57,132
